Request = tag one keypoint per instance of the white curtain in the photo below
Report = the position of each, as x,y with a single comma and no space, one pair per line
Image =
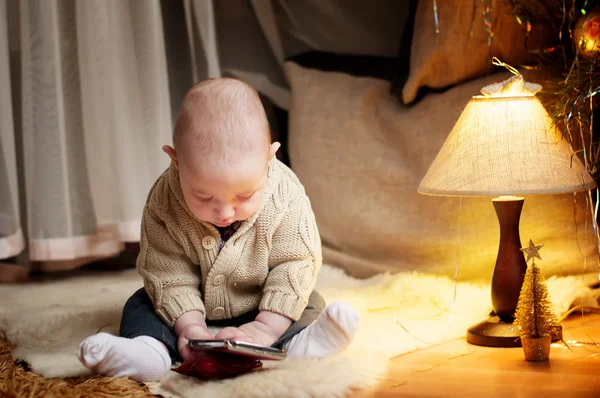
90,88
93,109
11,235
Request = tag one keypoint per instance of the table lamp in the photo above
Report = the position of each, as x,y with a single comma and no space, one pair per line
505,144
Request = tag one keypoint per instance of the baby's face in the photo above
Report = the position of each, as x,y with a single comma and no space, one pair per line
221,194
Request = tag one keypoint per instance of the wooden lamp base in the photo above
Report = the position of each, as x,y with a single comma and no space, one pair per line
498,330
495,333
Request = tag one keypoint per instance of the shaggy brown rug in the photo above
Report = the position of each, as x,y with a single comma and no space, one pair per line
17,381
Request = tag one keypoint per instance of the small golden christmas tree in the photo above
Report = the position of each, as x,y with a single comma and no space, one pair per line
534,315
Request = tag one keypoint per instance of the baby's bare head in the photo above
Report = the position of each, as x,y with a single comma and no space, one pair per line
221,121
222,150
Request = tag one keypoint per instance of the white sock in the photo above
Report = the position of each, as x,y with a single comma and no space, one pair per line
142,359
330,334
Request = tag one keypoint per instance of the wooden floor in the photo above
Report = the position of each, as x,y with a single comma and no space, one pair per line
458,369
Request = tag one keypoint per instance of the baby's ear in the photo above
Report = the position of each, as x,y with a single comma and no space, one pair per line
169,150
274,148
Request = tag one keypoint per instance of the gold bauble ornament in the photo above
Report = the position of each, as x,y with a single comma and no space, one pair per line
586,35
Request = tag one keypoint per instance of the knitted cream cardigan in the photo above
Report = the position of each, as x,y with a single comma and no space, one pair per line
270,263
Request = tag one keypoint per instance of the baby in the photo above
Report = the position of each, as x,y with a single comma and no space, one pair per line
228,239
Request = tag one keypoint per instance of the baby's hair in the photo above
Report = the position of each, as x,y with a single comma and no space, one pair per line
223,116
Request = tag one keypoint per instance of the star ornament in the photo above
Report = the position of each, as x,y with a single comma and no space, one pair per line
533,251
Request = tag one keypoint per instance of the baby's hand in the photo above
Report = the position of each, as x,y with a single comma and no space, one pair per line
192,332
253,332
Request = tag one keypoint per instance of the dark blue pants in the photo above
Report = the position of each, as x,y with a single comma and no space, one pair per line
139,319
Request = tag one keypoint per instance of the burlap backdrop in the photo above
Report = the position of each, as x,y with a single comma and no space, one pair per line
361,157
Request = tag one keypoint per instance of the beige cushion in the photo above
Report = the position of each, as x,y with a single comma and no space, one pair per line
453,55
361,157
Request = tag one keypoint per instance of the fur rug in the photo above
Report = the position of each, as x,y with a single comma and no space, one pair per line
45,321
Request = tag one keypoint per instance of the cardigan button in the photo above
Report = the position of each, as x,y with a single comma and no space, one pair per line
219,279
218,311
209,243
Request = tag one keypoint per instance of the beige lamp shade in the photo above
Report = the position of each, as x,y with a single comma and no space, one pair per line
505,143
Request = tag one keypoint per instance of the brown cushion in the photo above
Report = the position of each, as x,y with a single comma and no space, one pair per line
361,157
439,60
